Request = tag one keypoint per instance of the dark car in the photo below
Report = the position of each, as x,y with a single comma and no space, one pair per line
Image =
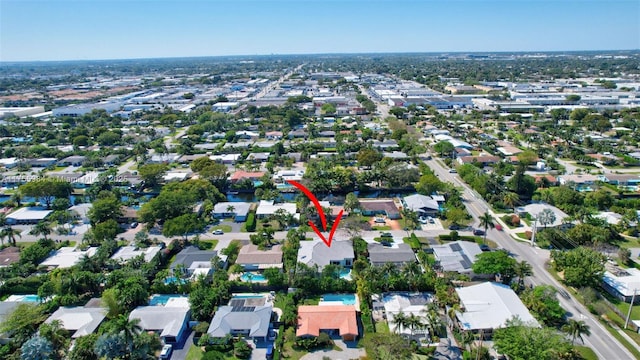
454,227
384,235
485,247
385,243
478,232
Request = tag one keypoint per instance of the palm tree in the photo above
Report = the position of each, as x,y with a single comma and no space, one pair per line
400,321
510,199
128,328
546,217
576,328
230,209
467,338
522,270
42,228
10,233
486,221
410,219
414,322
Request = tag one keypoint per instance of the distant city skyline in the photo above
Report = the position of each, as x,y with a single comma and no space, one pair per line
122,29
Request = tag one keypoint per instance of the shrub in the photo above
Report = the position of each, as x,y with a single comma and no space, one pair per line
453,235
250,225
507,220
515,220
528,234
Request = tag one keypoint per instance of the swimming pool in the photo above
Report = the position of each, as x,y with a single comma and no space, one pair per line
252,277
247,296
24,298
346,299
174,280
161,300
345,274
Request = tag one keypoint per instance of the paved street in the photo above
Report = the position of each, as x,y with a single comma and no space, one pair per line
600,340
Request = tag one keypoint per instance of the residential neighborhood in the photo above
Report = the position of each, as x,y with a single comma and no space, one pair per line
150,214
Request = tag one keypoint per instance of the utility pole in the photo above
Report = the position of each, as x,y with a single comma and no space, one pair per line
630,307
533,232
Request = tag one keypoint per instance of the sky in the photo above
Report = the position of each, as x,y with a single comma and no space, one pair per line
122,29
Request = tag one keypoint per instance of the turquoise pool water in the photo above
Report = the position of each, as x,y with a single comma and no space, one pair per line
251,277
161,299
247,296
345,274
31,298
174,280
257,183
346,299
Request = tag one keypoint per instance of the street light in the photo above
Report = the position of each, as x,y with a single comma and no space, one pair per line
630,307
533,232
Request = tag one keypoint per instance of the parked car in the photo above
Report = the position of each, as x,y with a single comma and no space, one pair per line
478,232
454,227
380,220
166,352
134,224
423,220
385,243
218,232
386,234
453,171
485,247
499,227
431,221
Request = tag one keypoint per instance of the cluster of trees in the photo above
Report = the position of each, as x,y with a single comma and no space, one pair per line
581,267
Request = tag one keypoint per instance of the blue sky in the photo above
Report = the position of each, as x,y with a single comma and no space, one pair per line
118,29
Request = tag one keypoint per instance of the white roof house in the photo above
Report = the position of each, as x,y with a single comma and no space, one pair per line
489,305
266,208
82,210
129,252
169,321
407,303
421,204
66,257
316,252
81,320
622,282
536,209
27,215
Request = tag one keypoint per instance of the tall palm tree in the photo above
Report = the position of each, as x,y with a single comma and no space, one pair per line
510,199
486,221
414,322
42,228
10,233
576,328
128,328
400,321
522,270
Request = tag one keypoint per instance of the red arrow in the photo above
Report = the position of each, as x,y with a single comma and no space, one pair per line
313,199
333,230
323,219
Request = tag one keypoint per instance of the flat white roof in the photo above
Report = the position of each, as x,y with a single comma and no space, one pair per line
489,305
624,282
66,257
129,252
27,213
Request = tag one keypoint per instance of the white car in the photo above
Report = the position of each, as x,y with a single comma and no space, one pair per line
166,352
218,232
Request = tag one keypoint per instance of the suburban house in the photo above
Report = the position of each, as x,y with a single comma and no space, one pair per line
252,322
456,256
407,303
6,308
331,319
251,258
316,252
380,207
242,175
74,160
9,255
536,209
578,181
129,252
27,216
81,211
621,179
485,160
488,306
268,208
169,321
79,320
196,262
66,257
622,283
236,210
423,205
399,254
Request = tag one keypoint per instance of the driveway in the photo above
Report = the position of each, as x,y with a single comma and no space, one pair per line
180,350
349,351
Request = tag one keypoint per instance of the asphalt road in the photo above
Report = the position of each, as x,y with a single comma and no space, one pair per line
601,341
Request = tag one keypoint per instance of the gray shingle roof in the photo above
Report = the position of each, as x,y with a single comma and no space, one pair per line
254,319
379,255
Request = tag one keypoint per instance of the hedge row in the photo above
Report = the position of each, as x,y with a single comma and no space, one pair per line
251,222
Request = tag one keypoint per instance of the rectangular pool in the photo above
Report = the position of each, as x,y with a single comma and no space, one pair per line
345,299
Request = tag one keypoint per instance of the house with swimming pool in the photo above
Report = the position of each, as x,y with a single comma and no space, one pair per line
170,321
317,253
335,320
242,317
195,262
256,260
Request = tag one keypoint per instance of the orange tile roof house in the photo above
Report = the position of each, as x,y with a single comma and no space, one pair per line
240,175
332,319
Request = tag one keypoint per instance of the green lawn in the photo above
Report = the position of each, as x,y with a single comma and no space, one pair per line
195,353
223,227
586,353
208,244
380,228
382,327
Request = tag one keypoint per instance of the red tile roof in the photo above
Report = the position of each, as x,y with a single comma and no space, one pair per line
313,318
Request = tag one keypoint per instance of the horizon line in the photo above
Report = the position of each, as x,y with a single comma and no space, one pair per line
321,54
